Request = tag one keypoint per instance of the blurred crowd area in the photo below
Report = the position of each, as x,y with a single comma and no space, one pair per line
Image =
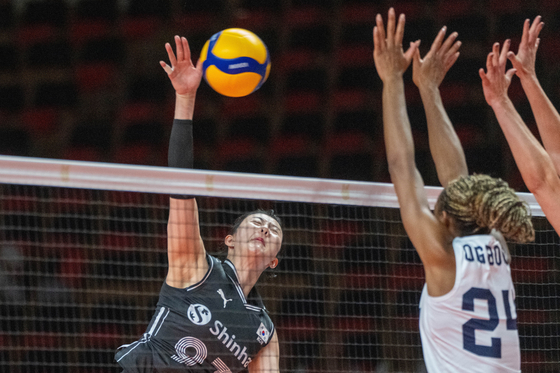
81,80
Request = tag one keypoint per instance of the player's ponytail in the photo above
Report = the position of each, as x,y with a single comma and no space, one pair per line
480,203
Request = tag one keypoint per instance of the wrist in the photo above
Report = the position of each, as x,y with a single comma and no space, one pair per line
392,78
528,79
428,89
500,102
186,96
184,106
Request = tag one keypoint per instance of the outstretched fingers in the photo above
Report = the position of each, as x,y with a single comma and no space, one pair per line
438,41
495,54
496,81
399,34
450,46
451,49
489,62
186,49
531,31
169,69
525,35
377,42
166,67
504,53
534,30
391,27
451,59
380,32
483,76
388,54
179,47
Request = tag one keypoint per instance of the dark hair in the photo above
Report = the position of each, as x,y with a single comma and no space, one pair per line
240,219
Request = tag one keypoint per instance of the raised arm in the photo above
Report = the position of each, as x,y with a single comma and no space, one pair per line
533,161
185,249
423,229
546,115
428,73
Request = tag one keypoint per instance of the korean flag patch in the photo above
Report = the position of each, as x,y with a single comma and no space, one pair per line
263,334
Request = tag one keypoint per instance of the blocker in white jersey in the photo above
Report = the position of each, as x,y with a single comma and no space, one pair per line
467,313
473,327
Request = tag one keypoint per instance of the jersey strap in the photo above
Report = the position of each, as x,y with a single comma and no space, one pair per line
253,302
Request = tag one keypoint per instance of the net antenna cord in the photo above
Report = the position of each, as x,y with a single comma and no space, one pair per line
151,179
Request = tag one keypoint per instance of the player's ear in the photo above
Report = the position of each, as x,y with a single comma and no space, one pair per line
274,263
229,241
447,221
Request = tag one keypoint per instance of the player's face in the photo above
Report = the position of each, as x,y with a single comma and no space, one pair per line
260,235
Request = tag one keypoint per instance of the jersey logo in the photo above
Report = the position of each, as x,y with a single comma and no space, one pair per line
199,314
263,334
221,292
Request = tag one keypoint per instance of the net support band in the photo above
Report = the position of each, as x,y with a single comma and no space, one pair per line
150,179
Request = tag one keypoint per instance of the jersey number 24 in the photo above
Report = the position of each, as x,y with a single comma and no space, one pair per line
469,328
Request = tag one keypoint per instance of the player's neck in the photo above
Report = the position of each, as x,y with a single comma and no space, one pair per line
247,273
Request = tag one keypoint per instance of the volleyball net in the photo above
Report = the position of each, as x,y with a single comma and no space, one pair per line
83,257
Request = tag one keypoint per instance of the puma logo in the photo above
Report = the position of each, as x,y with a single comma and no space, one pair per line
221,292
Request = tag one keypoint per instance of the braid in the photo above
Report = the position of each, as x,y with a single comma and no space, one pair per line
480,203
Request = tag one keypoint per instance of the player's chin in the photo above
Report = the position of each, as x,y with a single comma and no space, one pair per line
256,248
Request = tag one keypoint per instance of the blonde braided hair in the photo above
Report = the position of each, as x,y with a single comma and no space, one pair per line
480,203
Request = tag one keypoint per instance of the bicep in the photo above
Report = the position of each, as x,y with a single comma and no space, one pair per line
268,359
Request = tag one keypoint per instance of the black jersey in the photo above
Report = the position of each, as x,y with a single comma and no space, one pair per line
207,327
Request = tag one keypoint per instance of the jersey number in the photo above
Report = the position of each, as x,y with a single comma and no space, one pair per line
200,354
469,342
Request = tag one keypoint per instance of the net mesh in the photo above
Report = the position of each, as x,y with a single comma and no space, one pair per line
81,270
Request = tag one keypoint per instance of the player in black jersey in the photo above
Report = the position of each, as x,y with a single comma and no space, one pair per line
209,317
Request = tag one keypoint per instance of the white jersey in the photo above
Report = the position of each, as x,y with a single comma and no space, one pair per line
473,327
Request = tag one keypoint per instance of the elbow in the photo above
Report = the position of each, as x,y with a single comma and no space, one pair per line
540,175
534,183
399,166
539,183
540,179
400,160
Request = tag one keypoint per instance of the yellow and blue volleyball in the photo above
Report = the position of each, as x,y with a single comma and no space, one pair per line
235,62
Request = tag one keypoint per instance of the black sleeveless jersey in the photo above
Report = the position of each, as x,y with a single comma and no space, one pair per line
207,327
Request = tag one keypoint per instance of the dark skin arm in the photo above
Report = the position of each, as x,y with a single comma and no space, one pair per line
429,236
428,74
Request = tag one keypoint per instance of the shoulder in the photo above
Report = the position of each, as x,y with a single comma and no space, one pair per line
213,267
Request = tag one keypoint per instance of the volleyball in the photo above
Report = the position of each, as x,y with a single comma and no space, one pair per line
235,62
